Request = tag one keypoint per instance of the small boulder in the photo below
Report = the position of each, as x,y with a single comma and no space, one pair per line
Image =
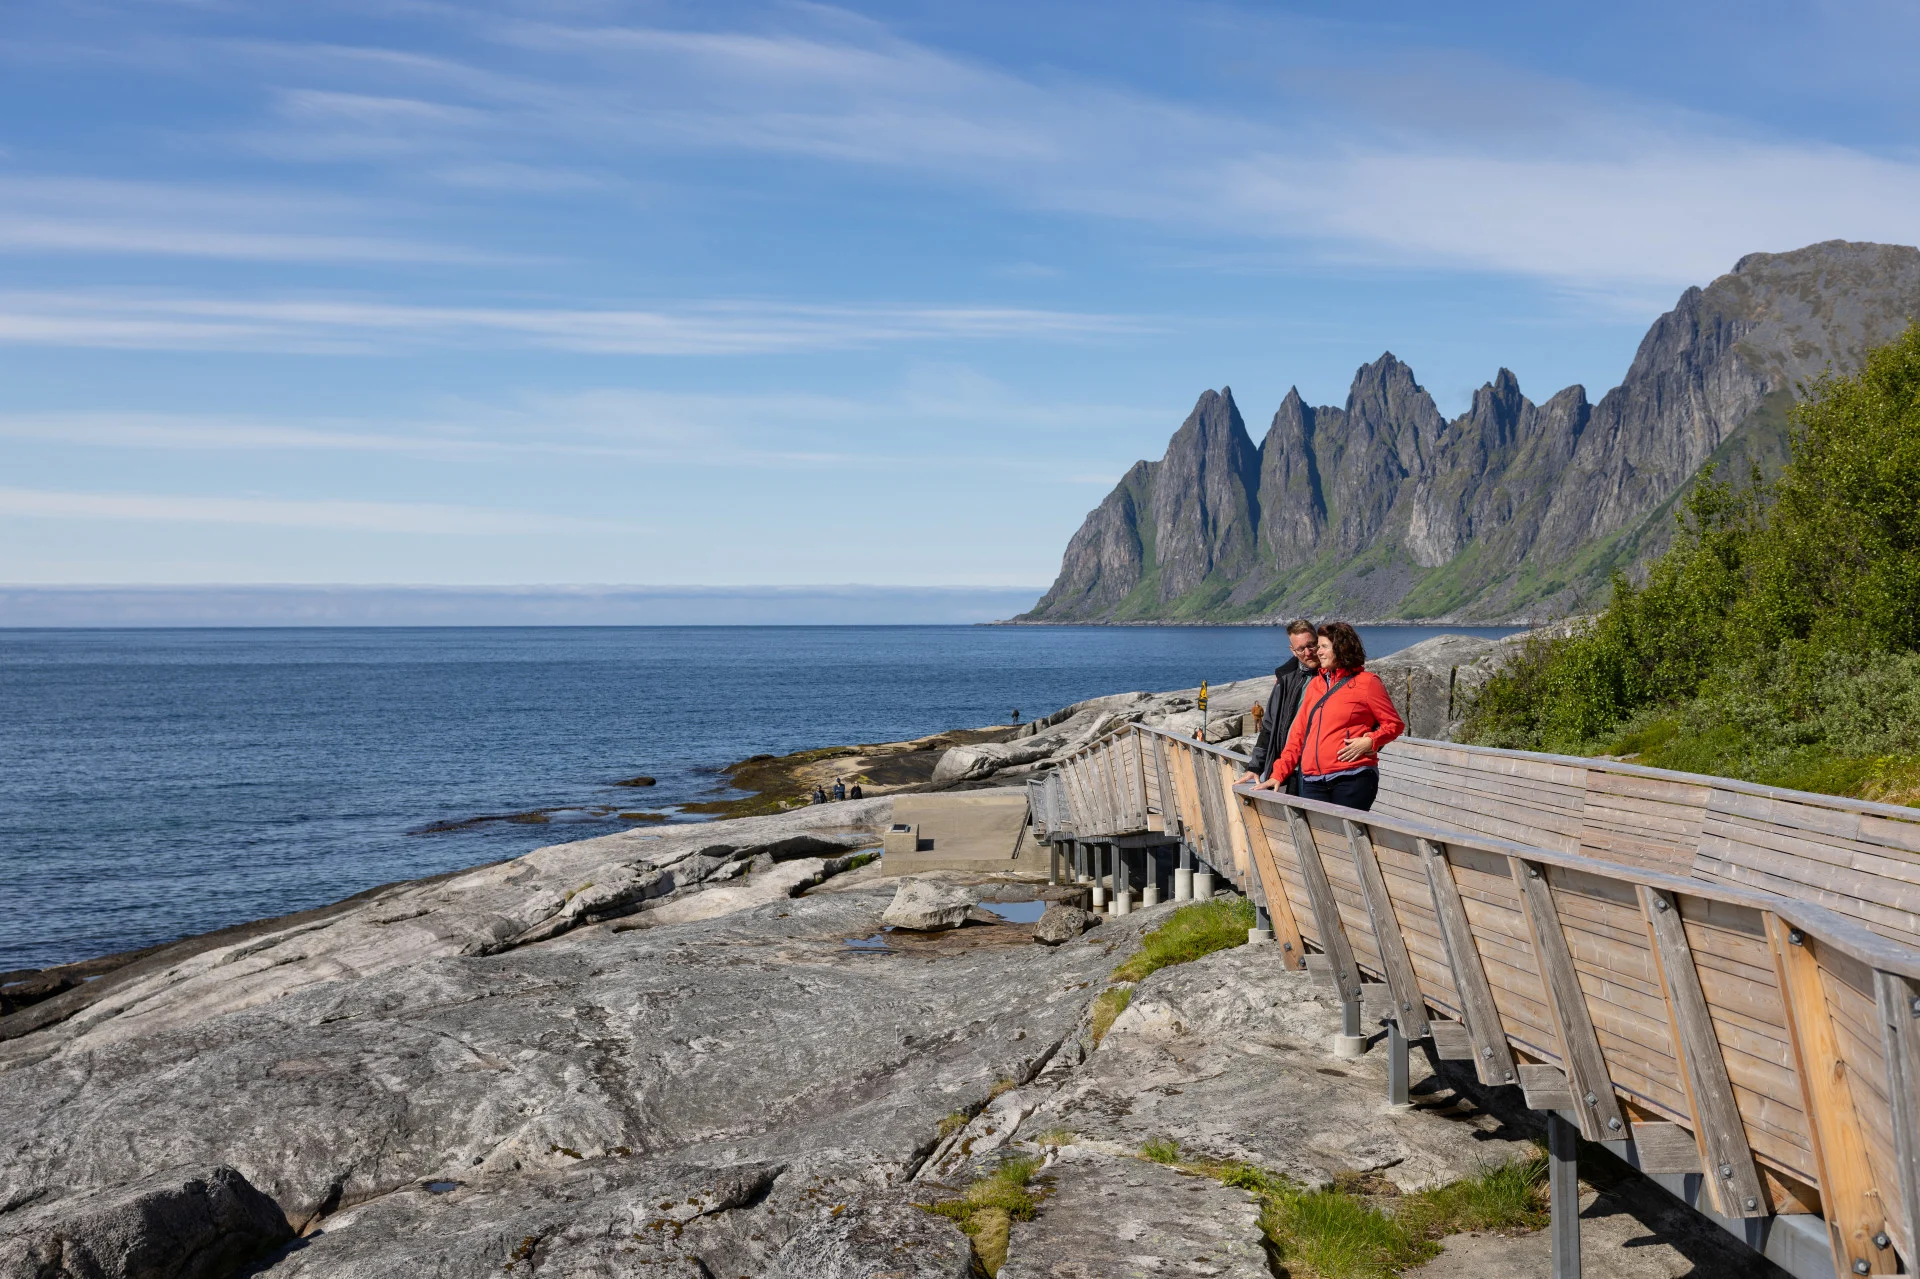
1061,923
176,1224
926,905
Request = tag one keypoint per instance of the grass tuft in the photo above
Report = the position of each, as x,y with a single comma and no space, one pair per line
952,1123
1191,931
987,1209
1361,1227
1161,1150
1110,1004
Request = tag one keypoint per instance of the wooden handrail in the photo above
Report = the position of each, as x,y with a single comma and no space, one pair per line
1759,1038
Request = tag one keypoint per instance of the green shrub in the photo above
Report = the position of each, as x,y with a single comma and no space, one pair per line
1189,933
1777,638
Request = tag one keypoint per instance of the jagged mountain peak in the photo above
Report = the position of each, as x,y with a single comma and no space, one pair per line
1382,509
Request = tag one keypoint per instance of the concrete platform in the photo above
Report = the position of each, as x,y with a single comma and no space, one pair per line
964,830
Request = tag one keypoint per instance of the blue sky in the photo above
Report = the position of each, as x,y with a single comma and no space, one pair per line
652,293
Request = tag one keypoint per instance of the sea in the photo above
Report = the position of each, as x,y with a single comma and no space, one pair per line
159,783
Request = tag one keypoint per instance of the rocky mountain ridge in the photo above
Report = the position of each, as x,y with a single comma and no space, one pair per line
1384,510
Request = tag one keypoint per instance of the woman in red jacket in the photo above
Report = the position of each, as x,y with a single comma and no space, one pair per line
1345,717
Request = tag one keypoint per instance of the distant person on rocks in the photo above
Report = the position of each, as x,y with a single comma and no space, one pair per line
855,792
819,796
1345,719
839,789
1284,702
1016,715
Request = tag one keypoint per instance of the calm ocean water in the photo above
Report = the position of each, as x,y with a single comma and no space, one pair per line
160,783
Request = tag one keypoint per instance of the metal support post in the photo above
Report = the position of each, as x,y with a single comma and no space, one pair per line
1122,883
1398,1066
1350,1043
1099,880
1150,894
1563,1195
1053,863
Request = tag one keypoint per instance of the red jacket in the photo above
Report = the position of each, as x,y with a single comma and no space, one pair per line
1360,709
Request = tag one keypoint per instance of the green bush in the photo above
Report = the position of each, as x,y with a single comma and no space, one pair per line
1777,639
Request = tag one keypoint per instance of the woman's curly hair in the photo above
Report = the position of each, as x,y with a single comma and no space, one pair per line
1348,652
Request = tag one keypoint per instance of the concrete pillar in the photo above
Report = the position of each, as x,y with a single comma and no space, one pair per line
1202,885
1150,895
1183,885
1350,1043
1563,1195
1099,881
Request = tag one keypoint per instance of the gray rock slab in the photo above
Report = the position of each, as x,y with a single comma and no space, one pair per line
555,1081
926,905
1228,1056
1113,1217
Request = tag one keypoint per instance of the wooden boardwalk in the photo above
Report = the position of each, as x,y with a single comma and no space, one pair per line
1719,980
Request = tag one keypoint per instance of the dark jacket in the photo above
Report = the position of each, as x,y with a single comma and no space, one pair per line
1282,705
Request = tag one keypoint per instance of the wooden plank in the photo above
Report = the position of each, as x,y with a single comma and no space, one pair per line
1235,819
1664,1148
1545,1087
1169,802
1392,944
1899,1006
1451,1039
1600,1116
1492,1058
1717,1126
1326,913
1848,1197
1286,930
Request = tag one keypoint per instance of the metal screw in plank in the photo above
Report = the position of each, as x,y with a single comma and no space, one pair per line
1881,1241
1795,936
1861,1267
1660,903
1613,1125
1752,1202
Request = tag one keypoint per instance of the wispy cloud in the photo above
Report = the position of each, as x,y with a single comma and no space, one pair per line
1435,161
173,322
372,517
1442,161
920,419
41,214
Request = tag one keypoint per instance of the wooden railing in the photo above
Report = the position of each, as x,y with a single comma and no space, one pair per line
1602,936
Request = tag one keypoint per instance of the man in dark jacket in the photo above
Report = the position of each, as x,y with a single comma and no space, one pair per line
1284,702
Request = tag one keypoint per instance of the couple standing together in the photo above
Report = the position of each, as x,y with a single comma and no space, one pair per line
1326,720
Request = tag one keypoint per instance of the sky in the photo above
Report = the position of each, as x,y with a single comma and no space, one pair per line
730,294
